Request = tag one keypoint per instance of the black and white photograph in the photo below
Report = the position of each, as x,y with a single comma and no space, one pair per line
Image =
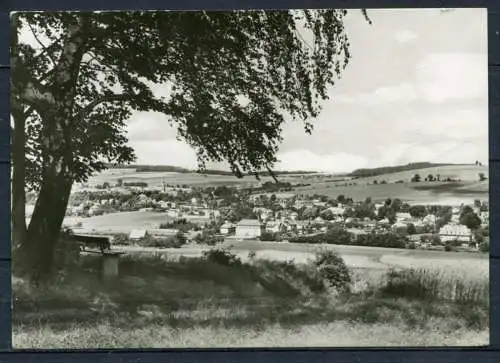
250,179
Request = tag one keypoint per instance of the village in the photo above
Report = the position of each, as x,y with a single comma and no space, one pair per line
208,215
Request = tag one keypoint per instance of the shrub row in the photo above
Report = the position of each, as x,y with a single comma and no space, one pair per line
342,237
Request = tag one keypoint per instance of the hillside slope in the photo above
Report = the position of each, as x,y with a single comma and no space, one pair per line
466,173
362,173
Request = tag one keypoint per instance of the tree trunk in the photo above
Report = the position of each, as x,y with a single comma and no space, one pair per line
18,180
57,156
45,225
18,172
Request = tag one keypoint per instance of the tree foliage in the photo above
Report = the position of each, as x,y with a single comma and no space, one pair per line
226,81
203,64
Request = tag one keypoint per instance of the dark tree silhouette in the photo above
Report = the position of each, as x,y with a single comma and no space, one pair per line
72,93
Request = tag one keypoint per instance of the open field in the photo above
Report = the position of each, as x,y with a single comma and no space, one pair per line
356,257
124,222
466,173
465,191
173,178
412,193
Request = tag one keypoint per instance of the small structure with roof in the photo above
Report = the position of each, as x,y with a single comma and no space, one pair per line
137,234
227,228
248,229
458,232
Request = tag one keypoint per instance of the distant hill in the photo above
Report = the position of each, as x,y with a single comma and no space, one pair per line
178,169
363,173
150,168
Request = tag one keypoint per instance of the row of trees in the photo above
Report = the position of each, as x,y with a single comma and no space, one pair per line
342,237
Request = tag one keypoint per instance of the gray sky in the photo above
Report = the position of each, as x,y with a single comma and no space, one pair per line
416,89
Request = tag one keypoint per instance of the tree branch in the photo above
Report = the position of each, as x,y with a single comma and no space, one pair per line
272,174
45,50
85,111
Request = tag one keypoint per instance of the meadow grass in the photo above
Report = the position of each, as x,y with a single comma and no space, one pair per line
198,302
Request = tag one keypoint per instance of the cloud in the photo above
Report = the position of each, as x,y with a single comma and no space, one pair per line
438,78
453,76
403,92
165,152
460,124
149,126
405,36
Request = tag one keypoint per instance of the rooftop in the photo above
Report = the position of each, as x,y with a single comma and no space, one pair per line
249,222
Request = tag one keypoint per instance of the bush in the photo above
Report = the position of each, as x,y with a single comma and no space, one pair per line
166,242
448,248
338,236
270,236
484,247
121,239
333,269
208,238
388,240
222,256
411,246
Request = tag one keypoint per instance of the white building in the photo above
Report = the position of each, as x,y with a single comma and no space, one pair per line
136,234
337,211
227,228
429,219
319,220
485,218
273,226
402,216
458,232
173,213
248,228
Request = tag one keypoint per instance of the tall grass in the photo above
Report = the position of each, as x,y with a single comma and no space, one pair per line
436,285
218,294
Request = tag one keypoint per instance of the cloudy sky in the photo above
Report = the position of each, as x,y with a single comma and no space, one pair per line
415,90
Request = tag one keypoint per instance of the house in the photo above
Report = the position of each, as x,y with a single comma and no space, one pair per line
227,228
402,216
173,213
273,226
429,219
319,220
400,227
337,211
301,203
162,232
457,232
485,218
384,221
296,226
285,196
248,228
319,204
164,204
136,234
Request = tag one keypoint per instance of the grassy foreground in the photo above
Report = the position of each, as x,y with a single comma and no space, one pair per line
206,302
